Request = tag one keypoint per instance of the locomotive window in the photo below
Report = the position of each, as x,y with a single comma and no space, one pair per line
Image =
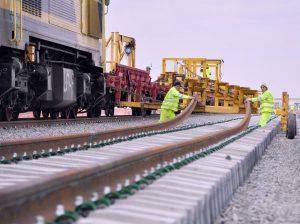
33,7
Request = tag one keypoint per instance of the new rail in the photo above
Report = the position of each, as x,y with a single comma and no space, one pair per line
21,203
12,147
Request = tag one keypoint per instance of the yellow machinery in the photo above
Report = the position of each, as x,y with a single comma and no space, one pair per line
120,46
288,118
215,95
283,111
129,86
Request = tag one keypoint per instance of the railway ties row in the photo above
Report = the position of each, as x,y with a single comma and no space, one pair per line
197,192
80,159
49,169
44,154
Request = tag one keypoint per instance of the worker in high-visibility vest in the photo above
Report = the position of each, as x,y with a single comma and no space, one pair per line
170,103
266,100
208,72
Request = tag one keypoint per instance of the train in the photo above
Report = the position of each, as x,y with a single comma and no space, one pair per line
51,62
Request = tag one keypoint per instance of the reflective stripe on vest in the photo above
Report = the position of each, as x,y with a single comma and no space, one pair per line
171,100
266,105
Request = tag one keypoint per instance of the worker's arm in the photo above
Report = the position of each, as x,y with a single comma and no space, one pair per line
254,99
260,97
182,96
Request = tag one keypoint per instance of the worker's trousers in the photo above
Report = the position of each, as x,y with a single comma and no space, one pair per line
166,115
264,119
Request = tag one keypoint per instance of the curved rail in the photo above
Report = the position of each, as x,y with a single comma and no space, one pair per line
21,203
8,148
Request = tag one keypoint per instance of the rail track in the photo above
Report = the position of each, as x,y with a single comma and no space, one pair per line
24,147
47,122
36,187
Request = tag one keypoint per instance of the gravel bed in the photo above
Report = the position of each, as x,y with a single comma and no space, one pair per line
58,130
271,194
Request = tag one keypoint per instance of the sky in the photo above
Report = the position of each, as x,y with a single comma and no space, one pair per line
259,40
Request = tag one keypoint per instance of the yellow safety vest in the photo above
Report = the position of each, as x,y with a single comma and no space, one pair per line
208,73
172,99
266,102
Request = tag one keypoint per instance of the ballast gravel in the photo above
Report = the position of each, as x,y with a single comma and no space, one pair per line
59,130
271,193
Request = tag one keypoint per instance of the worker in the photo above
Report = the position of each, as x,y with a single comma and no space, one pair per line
266,100
170,103
208,72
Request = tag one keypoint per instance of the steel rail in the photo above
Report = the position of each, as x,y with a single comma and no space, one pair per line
21,203
21,123
8,148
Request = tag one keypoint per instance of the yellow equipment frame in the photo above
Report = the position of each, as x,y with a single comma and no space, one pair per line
215,96
284,111
190,67
117,44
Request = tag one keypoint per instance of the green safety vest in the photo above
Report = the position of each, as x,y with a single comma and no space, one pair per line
172,99
266,102
208,73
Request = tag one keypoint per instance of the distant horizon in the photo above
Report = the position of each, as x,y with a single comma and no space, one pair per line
297,98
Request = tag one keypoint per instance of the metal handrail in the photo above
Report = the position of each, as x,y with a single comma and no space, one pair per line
21,21
14,39
15,20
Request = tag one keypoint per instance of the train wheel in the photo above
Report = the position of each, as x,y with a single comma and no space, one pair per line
45,114
138,112
54,115
6,114
292,126
111,112
97,112
106,112
15,115
36,114
148,112
90,113
65,114
133,111
73,113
